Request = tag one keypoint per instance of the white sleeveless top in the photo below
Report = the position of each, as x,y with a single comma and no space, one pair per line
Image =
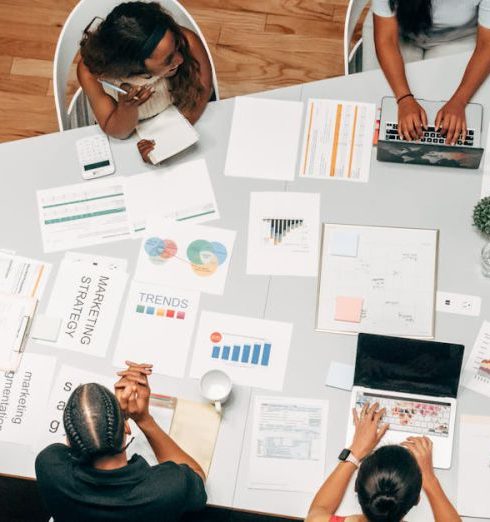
158,101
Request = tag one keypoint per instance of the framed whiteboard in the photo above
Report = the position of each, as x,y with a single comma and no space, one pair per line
377,280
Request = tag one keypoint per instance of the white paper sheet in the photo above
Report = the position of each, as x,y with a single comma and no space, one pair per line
253,352
476,373
485,184
87,298
460,304
179,193
474,467
23,398
338,140
23,276
84,214
157,327
106,262
185,255
340,376
289,438
283,233
392,279
264,139
50,429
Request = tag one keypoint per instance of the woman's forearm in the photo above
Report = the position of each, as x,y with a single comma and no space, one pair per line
478,67
442,509
121,122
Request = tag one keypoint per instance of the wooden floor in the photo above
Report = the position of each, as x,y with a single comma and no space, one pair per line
256,44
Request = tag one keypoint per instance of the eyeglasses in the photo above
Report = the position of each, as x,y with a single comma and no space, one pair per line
86,30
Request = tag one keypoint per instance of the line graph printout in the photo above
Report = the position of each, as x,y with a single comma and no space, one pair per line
185,255
84,214
377,280
283,233
253,352
338,140
476,373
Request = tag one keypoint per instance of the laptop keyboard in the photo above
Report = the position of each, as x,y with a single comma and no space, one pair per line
415,416
430,136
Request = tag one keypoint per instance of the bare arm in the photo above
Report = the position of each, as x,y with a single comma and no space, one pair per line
118,119
198,51
451,118
366,438
412,118
442,509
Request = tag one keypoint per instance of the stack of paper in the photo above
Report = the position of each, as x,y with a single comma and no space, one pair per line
23,276
86,297
476,373
171,132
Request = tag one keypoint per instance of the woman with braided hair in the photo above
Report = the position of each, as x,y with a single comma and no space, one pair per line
389,480
91,478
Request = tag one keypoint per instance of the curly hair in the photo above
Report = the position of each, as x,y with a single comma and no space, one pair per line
116,48
94,423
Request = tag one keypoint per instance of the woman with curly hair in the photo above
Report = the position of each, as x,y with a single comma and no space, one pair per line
141,49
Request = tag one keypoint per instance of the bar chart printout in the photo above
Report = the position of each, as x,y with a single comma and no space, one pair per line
338,140
253,352
277,231
476,374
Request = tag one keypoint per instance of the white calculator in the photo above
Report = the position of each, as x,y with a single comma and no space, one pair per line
95,157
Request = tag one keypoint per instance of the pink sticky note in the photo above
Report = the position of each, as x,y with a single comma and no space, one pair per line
348,309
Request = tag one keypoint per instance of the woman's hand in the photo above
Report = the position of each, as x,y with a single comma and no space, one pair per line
421,449
412,119
451,120
368,430
133,391
144,148
134,95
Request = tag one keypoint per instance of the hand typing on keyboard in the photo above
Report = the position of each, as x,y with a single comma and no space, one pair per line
412,119
430,135
451,121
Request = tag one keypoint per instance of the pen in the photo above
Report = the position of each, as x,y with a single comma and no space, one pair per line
114,87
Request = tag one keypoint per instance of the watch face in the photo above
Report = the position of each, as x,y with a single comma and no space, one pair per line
344,454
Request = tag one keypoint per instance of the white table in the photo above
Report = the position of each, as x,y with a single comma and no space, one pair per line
396,195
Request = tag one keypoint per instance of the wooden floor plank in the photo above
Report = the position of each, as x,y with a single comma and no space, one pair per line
244,20
5,64
286,24
23,84
26,48
32,67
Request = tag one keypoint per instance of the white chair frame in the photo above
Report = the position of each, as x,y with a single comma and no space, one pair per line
353,14
68,46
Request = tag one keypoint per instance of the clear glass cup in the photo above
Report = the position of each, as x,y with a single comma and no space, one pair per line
485,260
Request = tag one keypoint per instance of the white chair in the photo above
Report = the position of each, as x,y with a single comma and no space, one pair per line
78,113
352,57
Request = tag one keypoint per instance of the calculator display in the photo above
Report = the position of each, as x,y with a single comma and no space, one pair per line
92,166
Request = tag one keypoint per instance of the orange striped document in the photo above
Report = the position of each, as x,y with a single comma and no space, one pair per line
338,140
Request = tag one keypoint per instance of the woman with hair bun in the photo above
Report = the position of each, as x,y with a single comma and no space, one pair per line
389,480
141,49
92,479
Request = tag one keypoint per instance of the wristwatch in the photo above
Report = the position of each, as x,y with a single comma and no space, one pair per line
347,456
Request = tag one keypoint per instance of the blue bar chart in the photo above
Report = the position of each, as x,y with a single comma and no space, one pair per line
258,354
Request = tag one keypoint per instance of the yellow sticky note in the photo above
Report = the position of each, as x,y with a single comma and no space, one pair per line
348,309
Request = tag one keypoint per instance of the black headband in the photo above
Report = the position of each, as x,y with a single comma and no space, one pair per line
152,41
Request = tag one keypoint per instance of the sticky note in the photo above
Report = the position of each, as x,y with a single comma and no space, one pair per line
340,375
343,243
46,328
348,309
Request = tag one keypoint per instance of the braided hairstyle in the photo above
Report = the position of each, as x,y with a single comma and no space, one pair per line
388,484
114,49
94,423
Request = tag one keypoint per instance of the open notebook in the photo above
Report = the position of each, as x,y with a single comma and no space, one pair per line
171,132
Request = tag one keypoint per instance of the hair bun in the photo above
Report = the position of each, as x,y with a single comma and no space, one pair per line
383,504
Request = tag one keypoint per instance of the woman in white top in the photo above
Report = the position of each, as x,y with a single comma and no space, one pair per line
140,48
414,29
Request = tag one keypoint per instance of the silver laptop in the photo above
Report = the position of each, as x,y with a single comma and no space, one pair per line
417,382
431,149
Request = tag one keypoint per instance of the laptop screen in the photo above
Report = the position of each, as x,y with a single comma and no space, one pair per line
408,365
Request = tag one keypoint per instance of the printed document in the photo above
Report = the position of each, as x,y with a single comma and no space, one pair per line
253,352
23,276
23,398
264,139
86,296
289,439
283,233
338,140
474,467
84,214
476,373
157,327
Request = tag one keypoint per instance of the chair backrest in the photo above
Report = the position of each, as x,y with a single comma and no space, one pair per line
71,34
354,11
